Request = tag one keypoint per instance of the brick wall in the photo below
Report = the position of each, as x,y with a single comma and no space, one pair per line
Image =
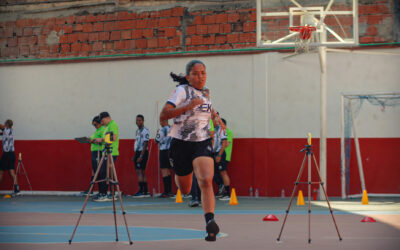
166,30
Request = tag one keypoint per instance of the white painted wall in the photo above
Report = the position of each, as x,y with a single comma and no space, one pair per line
261,95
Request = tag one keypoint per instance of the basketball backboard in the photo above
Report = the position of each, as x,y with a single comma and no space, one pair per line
336,22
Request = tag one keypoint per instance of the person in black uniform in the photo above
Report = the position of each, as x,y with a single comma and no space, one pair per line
7,160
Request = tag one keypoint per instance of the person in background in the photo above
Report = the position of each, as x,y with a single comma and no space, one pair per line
141,156
164,142
7,160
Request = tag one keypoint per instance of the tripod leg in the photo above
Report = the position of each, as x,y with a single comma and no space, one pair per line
326,196
120,200
291,198
87,198
26,175
309,197
112,187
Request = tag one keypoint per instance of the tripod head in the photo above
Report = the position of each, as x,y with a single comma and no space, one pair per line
308,147
108,140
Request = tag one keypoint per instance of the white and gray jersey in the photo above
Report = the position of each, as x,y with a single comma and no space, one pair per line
219,136
163,139
8,140
142,135
193,125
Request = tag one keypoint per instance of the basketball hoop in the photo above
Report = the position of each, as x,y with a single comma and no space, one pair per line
303,38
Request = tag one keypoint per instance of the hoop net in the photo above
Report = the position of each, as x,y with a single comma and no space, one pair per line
303,38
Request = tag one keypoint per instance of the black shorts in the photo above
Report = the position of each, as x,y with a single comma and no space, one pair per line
7,161
182,153
222,164
164,159
143,163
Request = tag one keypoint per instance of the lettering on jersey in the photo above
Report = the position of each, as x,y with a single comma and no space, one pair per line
205,107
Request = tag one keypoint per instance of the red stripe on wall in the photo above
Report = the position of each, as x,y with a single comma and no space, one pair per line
268,165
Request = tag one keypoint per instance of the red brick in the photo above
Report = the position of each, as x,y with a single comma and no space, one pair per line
86,47
123,15
54,48
152,43
253,16
126,34
60,20
241,45
8,32
237,27
170,22
78,27
191,30
63,39
367,39
169,32
225,28
210,19
76,47
115,35
98,27
12,42
220,39
213,29
9,52
65,48
98,46
247,37
83,37
130,44
232,38
36,31
188,41
104,36
19,31
109,46
73,38
91,18
178,11
175,42
379,39
28,31
119,45
197,48
209,39
201,29
198,20
233,18
166,13
125,25
221,18
197,40
374,19
87,27
152,23
372,31
148,33
141,24
109,26
136,34
67,29
163,42
111,17
155,14
33,51
141,44
93,37
143,15
249,26
28,40
221,47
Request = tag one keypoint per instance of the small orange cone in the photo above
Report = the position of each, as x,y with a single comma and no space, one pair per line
364,199
270,217
300,199
7,196
368,219
178,198
233,201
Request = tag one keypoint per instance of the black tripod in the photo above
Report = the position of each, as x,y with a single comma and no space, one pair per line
18,170
308,153
111,177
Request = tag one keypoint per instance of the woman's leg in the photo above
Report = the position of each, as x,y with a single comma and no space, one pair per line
204,169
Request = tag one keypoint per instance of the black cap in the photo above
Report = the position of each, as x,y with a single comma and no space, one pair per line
96,119
104,115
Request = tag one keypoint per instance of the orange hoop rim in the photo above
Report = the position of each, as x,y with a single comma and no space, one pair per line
304,31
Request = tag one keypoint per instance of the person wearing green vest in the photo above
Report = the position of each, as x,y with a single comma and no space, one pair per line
95,148
224,173
228,149
110,126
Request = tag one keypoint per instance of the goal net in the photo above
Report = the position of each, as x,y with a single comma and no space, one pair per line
370,163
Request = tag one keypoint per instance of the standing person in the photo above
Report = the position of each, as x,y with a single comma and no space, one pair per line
164,142
141,156
7,160
221,157
96,148
110,126
191,148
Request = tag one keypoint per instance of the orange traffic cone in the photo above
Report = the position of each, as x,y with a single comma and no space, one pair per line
178,198
300,199
364,199
368,219
270,217
233,201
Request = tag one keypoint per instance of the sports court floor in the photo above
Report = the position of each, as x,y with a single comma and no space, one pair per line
47,222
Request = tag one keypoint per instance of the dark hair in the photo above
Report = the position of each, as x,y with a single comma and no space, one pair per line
104,115
96,119
182,78
223,120
9,123
141,116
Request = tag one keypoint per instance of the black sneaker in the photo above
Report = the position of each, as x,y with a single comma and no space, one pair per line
221,192
212,230
194,203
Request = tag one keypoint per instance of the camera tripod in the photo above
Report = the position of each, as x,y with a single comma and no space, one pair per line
111,178
18,170
308,154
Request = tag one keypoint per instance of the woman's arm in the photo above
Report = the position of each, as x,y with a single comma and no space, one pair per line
169,111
